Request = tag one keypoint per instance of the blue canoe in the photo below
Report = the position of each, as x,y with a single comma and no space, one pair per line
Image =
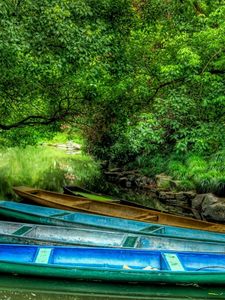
51,216
25,233
112,264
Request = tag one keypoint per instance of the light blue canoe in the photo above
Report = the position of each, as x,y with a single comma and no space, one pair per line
50,216
25,233
112,264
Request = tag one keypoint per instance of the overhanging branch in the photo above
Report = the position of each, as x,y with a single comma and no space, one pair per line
29,121
37,120
64,109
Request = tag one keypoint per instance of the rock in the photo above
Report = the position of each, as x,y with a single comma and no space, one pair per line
213,208
152,193
132,172
180,196
70,147
112,176
172,198
115,170
190,194
210,207
127,179
196,203
163,195
73,145
163,181
124,182
142,181
174,184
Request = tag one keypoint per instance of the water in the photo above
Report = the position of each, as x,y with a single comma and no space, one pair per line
25,288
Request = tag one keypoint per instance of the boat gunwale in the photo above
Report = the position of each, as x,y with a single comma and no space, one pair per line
126,271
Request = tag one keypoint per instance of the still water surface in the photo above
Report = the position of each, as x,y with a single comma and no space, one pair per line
24,288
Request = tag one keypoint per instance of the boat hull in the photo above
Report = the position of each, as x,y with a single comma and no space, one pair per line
202,278
96,290
113,264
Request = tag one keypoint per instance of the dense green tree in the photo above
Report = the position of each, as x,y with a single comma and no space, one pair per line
176,55
56,57
141,76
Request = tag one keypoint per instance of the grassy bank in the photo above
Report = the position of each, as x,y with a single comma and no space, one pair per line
44,167
205,174
194,171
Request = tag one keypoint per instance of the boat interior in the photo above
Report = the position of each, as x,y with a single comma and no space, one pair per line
64,234
95,206
117,259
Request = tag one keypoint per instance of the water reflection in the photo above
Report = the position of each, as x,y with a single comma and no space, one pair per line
24,288
8,295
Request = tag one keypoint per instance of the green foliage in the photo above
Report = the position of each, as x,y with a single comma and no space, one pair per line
193,171
203,174
58,57
144,79
175,59
66,133
44,168
26,136
150,165
141,137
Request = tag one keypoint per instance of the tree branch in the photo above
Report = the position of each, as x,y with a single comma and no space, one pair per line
162,85
38,120
210,59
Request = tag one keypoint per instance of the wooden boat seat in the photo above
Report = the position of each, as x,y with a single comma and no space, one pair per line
82,203
151,218
148,217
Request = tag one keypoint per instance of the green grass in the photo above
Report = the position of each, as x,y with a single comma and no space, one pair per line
194,171
205,174
64,137
44,167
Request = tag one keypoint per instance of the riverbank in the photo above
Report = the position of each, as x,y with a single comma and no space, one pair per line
51,168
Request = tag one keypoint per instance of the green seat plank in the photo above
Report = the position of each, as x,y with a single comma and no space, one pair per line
22,230
130,241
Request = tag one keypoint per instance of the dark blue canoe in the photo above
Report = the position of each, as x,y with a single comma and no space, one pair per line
112,264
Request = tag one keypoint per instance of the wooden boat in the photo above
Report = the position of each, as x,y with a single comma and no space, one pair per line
72,203
52,216
81,192
22,233
24,287
112,264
